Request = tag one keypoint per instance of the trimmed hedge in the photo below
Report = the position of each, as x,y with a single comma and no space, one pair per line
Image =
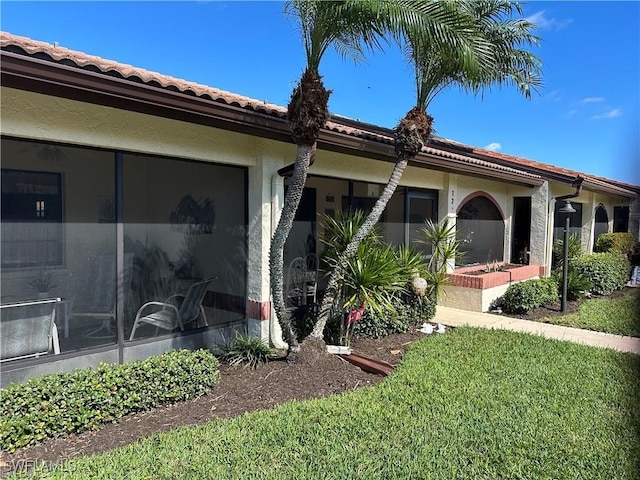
85,399
525,296
607,271
621,242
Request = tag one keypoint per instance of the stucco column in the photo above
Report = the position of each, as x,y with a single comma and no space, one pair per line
541,227
448,204
260,181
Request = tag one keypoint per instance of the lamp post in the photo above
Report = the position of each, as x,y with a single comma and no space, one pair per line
566,209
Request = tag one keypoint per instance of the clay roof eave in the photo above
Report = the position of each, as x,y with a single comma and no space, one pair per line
43,76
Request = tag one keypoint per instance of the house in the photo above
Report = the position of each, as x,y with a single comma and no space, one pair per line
122,186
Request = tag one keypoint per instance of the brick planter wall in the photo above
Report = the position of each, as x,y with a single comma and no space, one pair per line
479,291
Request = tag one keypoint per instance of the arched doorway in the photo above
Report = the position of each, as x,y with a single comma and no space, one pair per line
480,227
601,224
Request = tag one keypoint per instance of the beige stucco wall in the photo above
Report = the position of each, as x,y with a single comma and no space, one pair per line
43,117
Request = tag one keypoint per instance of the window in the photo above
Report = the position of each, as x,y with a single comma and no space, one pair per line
620,219
480,229
575,221
31,219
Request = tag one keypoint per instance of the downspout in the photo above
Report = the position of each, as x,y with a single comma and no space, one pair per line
276,339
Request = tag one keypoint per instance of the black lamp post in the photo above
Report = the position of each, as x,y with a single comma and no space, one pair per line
566,209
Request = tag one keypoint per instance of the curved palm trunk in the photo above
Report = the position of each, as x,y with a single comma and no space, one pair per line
331,293
276,252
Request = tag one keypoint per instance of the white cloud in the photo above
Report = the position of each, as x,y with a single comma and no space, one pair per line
614,113
494,147
545,23
587,100
572,112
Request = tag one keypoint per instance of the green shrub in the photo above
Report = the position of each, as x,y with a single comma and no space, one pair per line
575,249
607,271
85,399
620,242
577,283
634,255
524,297
409,311
251,351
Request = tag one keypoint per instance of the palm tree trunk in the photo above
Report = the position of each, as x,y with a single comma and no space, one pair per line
304,154
330,295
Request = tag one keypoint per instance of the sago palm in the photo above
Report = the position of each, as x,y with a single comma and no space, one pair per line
492,55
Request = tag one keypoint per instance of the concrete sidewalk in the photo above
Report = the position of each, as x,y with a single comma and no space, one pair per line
455,317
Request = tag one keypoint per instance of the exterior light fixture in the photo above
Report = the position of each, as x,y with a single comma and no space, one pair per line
567,209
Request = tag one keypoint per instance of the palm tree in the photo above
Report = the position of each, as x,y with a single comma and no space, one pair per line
351,26
474,66
347,26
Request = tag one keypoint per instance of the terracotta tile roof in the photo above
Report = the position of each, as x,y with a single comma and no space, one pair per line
468,155
90,62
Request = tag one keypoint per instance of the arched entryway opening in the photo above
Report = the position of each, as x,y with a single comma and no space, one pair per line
480,227
601,224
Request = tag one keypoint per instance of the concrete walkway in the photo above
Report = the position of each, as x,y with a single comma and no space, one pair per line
455,317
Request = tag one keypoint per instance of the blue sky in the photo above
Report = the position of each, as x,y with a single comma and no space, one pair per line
585,118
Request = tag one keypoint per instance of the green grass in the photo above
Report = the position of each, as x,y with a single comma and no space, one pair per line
481,404
612,315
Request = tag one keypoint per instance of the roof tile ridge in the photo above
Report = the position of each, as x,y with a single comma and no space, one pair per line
128,71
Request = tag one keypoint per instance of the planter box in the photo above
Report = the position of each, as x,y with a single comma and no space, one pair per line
471,288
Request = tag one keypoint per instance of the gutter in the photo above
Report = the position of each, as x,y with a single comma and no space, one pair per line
577,183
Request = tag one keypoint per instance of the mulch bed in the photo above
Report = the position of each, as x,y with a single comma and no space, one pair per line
240,390
556,310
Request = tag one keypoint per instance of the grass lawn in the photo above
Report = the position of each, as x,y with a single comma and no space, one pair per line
619,315
470,404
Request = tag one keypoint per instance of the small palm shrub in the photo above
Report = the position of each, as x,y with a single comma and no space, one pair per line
620,242
577,283
247,350
371,280
526,296
575,250
607,271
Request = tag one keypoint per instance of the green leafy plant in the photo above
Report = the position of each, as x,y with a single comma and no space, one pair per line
607,271
526,296
371,280
81,400
578,284
247,350
575,250
445,249
634,255
620,242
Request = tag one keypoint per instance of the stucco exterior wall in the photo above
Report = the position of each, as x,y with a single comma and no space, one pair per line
43,117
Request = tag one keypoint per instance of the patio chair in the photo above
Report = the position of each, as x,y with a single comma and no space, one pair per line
100,301
28,329
176,312
302,281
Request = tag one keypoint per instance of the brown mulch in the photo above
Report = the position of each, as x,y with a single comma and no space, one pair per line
240,390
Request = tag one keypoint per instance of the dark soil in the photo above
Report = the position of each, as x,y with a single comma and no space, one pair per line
240,390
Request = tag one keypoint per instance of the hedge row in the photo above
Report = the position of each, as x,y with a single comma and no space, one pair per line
607,271
620,242
84,399
526,296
